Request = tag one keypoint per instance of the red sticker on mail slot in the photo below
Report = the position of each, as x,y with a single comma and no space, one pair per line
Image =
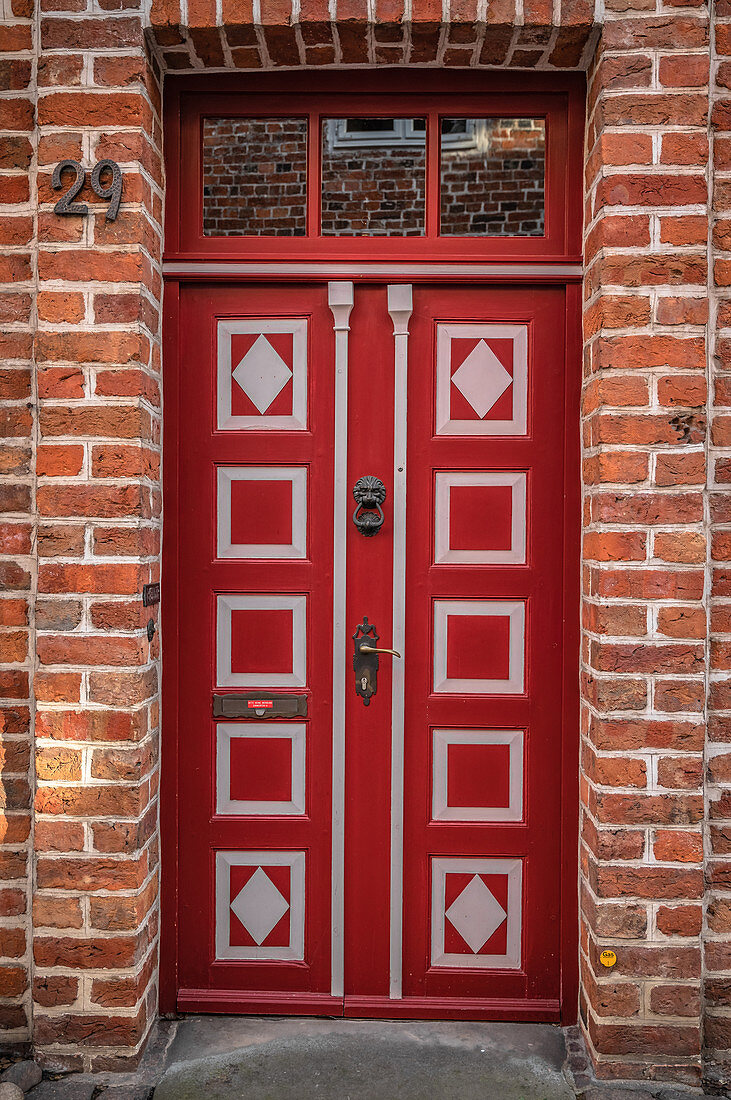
259,704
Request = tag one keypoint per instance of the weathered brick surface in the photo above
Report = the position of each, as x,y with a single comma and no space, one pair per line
79,490
79,487
644,656
17,566
343,32
717,953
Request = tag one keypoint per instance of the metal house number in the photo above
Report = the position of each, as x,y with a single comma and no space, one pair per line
111,194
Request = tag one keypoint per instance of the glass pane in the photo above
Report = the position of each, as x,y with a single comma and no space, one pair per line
369,125
493,177
254,177
373,177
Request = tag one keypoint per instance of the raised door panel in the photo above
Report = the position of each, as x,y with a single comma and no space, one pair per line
484,627
255,616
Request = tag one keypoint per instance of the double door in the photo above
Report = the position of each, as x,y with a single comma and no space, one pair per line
378,467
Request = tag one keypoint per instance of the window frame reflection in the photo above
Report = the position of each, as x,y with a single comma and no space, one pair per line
480,127
304,171
337,141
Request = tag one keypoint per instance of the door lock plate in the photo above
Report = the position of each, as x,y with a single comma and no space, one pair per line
365,665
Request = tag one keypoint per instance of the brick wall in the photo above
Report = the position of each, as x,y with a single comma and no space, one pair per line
502,191
89,413
354,200
645,597
254,177
654,834
717,947
17,568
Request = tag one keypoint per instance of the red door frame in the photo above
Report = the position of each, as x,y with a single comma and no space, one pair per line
561,248
558,99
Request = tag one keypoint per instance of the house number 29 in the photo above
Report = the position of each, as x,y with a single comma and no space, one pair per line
111,194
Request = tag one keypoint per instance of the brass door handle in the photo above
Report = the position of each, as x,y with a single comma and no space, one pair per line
372,649
365,660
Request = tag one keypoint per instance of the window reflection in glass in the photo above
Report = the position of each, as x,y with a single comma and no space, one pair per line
373,177
493,177
254,177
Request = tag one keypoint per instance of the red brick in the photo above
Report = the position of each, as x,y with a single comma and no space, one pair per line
60,460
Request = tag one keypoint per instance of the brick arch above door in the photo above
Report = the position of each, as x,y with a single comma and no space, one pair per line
535,34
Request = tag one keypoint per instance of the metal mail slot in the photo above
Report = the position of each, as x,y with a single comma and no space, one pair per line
259,705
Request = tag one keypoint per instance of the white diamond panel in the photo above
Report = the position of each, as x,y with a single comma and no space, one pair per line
262,374
260,905
476,913
481,379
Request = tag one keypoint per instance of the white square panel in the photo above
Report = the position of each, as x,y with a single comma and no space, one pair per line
479,378
227,479
458,612
258,371
475,914
227,736
250,914
282,662
511,740
514,553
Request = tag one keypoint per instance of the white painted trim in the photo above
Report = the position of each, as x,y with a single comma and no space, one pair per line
327,268
400,306
518,424
514,610
513,868
226,732
226,420
443,552
226,605
297,475
442,739
340,300
296,862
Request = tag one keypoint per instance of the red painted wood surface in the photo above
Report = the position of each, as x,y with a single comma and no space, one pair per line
559,99
537,711
202,449
479,775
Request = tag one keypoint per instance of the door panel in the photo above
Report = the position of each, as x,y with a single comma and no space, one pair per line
256,492
438,892
484,628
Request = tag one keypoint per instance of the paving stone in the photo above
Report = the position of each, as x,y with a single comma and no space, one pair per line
365,1068
126,1092
608,1091
23,1074
77,1086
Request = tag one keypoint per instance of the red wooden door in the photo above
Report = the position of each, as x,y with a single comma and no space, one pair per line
402,857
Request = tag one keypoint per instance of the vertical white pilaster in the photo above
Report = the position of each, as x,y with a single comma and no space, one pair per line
340,300
400,308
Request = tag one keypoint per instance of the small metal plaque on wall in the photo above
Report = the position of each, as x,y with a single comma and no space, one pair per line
150,594
259,706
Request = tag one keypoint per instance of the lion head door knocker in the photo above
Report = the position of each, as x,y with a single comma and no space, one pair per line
369,493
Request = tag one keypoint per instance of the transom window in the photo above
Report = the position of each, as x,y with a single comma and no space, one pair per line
384,165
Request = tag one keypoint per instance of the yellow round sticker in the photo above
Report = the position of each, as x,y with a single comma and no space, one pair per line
607,958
